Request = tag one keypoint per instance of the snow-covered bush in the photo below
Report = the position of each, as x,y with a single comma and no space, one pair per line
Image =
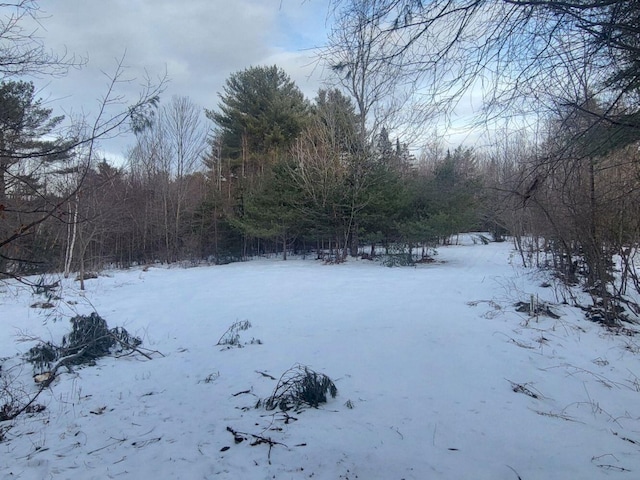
300,386
90,338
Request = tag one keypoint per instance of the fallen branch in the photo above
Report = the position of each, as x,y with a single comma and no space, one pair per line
135,348
48,377
44,380
239,437
89,340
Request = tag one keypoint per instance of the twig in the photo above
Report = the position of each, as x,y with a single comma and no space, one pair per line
144,443
25,407
518,343
258,439
134,348
522,388
241,393
117,441
625,438
555,415
612,467
600,378
514,471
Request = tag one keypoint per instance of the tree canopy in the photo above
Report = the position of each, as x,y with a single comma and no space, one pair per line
24,126
260,110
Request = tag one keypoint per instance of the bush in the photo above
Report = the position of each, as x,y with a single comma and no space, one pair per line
90,338
398,256
231,338
300,386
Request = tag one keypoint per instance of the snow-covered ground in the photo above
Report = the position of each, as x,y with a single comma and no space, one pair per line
445,379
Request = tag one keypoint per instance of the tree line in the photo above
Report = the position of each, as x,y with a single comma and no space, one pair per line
268,171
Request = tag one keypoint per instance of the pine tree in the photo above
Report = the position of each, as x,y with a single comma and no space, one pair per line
28,156
24,126
261,111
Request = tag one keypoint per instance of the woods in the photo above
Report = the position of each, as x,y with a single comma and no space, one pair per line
271,173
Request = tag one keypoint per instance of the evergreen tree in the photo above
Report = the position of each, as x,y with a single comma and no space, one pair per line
337,113
273,210
385,147
261,111
27,154
24,125
452,194
332,171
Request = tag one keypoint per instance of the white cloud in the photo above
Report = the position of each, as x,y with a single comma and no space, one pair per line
199,43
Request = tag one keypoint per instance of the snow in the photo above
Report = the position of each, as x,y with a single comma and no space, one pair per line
427,356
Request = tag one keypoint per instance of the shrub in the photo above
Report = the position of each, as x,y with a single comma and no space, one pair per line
231,337
90,338
398,256
300,386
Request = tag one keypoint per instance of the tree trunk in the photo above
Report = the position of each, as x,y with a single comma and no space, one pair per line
71,242
215,232
284,246
355,241
3,181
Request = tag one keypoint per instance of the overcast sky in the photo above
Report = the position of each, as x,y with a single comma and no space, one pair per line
198,42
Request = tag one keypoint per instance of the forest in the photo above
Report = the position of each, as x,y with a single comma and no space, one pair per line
267,171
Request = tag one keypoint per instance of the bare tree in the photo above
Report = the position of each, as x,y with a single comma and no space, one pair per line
357,53
186,134
36,201
22,52
170,151
516,52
